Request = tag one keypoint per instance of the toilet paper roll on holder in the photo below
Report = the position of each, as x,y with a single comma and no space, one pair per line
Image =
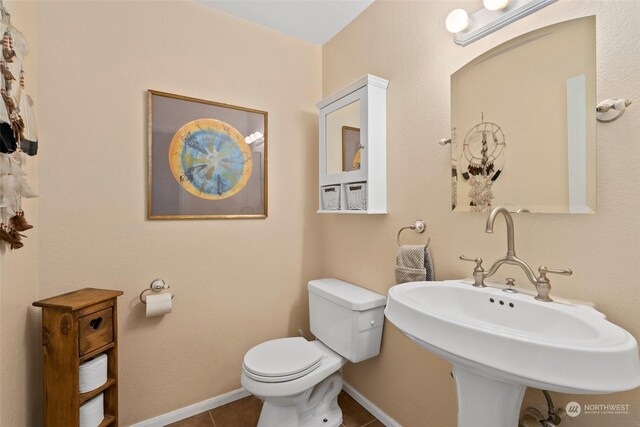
156,285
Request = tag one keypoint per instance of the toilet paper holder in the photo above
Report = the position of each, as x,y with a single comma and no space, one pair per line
156,285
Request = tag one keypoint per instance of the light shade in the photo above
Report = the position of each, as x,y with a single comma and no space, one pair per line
256,136
457,20
495,4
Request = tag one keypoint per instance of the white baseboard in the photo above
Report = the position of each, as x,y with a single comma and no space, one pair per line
369,406
223,399
195,409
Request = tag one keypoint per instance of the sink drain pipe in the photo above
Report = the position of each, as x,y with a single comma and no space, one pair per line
531,417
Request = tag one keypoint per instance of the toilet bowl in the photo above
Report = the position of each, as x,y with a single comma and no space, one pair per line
299,380
304,398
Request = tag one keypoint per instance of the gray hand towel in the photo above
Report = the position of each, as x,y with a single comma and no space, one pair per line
428,265
414,264
410,264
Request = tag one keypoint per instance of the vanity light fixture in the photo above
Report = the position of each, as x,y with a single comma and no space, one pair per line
457,20
256,136
495,15
495,4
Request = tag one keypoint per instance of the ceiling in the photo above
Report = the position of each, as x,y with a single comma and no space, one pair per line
316,21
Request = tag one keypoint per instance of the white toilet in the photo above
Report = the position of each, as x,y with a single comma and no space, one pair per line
299,380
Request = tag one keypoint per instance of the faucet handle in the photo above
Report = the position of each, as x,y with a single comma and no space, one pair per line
544,270
478,271
478,268
478,261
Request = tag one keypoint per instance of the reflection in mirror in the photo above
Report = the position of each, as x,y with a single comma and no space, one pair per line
350,148
523,123
347,116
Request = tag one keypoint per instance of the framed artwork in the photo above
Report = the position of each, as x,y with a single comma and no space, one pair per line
207,160
350,148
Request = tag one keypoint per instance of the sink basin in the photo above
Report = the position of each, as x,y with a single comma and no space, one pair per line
499,343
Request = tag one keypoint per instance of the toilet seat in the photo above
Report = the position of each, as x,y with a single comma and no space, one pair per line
281,360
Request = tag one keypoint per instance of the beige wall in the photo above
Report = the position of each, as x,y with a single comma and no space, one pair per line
406,42
236,283
19,323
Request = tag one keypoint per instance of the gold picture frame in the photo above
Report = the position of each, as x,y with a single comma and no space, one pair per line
206,160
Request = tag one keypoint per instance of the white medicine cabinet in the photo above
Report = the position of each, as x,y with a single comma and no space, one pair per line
353,148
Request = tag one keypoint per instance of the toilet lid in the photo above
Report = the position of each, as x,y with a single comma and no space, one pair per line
280,360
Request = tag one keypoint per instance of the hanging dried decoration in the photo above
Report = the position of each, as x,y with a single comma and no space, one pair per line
29,137
18,135
18,222
8,53
482,160
7,75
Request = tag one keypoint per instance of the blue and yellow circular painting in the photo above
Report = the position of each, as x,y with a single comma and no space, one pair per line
210,159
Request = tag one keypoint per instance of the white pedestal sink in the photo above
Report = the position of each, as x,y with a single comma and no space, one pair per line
500,343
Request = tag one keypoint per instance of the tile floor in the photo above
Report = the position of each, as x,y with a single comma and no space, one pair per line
245,413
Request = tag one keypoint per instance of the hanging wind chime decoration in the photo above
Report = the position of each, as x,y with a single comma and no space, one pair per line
482,160
18,135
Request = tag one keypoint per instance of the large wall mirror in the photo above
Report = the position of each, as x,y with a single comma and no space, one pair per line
524,126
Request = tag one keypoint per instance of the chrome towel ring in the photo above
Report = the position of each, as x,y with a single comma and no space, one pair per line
419,226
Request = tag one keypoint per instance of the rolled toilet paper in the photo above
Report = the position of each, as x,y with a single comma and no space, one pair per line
92,412
93,373
158,304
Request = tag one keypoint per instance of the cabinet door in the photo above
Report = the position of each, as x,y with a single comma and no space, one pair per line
343,139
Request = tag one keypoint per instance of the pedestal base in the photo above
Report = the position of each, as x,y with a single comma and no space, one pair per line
486,402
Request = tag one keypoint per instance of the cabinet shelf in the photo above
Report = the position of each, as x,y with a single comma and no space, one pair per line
96,352
360,212
93,393
107,421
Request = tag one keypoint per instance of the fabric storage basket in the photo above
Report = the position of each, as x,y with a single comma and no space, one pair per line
330,197
356,196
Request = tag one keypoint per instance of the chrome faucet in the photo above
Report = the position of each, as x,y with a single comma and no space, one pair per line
542,283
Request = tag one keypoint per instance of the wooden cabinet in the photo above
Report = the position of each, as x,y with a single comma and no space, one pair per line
76,327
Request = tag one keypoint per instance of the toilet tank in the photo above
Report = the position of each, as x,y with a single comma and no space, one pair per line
346,318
